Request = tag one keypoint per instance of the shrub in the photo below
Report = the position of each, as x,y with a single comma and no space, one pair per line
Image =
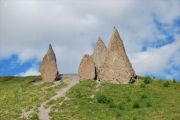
136,105
166,84
142,85
102,99
147,80
174,81
148,105
143,96
33,116
134,118
118,113
128,98
78,94
120,107
111,104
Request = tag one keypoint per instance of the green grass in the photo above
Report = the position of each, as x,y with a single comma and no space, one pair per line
19,93
147,99
153,101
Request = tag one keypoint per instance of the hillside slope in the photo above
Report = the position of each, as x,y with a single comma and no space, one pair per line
154,100
145,100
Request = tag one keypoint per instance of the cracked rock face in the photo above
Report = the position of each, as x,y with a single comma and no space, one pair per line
117,67
48,69
99,55
87,68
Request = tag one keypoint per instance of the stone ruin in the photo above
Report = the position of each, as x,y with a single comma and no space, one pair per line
48,68
108,64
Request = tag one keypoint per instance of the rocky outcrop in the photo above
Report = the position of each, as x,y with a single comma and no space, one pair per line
117,67
87,68
99,55
48,69
109,64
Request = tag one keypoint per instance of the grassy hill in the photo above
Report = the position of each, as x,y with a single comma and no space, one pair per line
147,99
20,94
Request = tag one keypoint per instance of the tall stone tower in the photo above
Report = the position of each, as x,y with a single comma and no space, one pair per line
117,67
48,68
110,64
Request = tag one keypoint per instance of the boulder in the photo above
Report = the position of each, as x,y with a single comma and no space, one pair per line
48,68
99,55
117,67
87,68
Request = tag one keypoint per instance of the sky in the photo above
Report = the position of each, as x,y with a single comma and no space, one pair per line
150,30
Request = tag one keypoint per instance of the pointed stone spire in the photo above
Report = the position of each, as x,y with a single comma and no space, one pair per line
99,54
117,67
87,68
116,44
100,44
50,54
48,69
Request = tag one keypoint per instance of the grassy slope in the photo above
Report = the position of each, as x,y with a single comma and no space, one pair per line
125,102
86,102
19,93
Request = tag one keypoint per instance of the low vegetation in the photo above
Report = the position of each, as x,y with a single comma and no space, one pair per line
147,99
19,95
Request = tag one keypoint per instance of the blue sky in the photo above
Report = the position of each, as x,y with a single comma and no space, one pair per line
151,33
11,66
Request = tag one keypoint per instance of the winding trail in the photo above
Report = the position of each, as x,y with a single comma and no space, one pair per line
43,112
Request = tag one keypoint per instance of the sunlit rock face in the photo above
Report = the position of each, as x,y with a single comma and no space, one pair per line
117,67
108,64
99,55
87,68
48,69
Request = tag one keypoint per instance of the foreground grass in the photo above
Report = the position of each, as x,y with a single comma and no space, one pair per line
144,100
147,99
19,94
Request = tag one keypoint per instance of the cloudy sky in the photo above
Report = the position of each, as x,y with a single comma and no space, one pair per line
150,30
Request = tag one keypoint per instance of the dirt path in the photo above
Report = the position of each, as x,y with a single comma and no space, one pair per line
43,112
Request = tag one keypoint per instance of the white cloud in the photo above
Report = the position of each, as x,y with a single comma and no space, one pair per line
29,72
155,60
28,26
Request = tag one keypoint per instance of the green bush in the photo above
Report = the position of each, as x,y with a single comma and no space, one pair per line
136,105
128,98
142,85
118,113
120,107
143,96
147,80
33,116
102,99
134,118
166,84
148,104
174,81
78,94
112,104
